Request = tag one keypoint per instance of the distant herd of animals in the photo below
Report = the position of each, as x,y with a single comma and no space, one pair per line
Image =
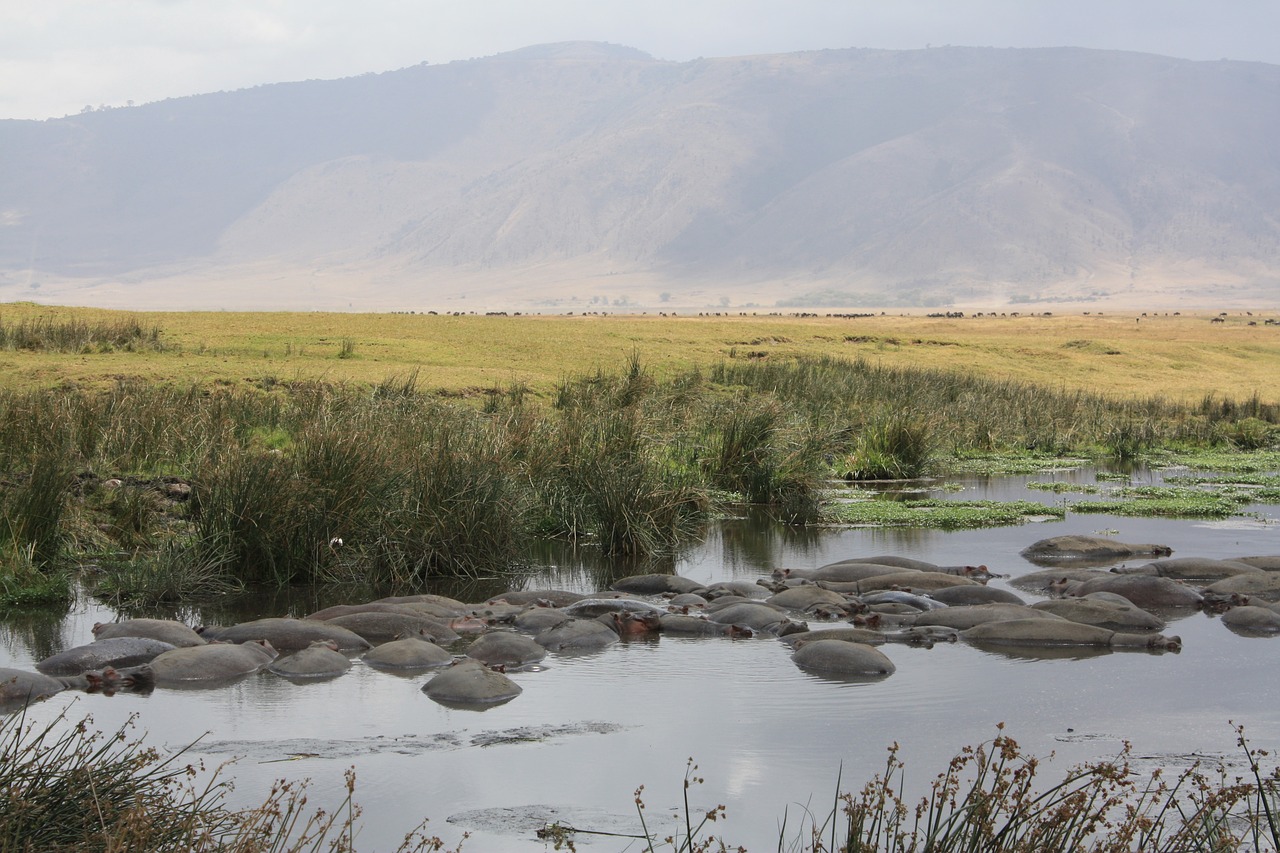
834,618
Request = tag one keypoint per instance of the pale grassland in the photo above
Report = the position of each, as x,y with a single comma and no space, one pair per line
1180,357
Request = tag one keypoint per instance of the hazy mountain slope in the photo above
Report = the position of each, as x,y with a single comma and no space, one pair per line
854,176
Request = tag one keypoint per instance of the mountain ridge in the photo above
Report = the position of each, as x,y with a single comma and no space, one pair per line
575,174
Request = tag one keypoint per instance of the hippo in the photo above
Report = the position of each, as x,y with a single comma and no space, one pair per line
924,636
376,628
1145,591
758,617
981,594
1044,581
543,597
19,688
1189,568
891,560
1269,563
915,581
419,610
470,683
451,604
744,589
213,662
1061,632
590,608
318,660
697,626
506,648
839,657
847,572
1087,550
535,619
918,603
113,652
1260,585
808,598
657,584
408,653
687,599
165,630
967,616
633,626
1252,621
288,635
1103,614
577,635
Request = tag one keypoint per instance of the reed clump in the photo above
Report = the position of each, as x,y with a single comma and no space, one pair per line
414,485
73,335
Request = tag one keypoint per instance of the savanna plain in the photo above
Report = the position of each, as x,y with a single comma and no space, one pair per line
150,460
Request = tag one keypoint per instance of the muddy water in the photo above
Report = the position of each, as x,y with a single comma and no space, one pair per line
768,739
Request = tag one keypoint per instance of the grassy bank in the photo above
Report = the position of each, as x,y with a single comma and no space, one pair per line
68,787
173,490
1183,358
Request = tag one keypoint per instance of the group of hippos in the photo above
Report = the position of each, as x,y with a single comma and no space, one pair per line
876,600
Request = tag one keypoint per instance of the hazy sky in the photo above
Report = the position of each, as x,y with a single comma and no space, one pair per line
56,56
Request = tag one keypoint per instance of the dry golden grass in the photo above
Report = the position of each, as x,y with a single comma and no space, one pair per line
1180,357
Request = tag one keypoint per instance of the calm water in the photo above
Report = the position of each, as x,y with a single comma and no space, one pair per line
767,737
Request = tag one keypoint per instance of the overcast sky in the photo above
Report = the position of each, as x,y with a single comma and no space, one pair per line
57,56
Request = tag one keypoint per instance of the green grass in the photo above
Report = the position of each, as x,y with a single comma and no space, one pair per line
1165,502
940,514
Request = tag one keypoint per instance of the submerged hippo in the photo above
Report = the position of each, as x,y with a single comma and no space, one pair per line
962,595
115,652
1145,591
534,620
633,626
857,571
758,617
408,653
890,560
1267,563
288,635
19,688
657,584
590,608
1103,614
745,589
165,630
212,662
1081,550
914,581
967,616
839,657
1260,585
470,682
1045,581
809,598
375,627
1061,632
1188,568
1252,621
319,660
541,597
698,626
577,635
506,648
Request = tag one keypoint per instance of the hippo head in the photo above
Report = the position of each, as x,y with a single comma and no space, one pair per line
1165,644
866,620
739,632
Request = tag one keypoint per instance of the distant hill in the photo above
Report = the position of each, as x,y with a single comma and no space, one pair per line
585,176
